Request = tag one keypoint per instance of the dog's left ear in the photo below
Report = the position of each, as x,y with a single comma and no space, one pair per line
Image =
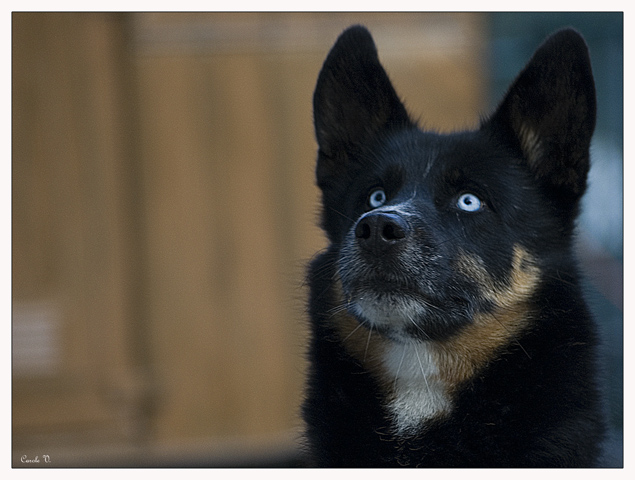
354,101
549,111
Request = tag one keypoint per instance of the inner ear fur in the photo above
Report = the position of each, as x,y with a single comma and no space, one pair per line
550,112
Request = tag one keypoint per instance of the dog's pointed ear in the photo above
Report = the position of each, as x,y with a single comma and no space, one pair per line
549,111
354,100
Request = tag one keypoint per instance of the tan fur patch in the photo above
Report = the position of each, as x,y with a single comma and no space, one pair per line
530,144
366,346
462,355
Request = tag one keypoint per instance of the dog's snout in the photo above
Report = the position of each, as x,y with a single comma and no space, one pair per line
379,231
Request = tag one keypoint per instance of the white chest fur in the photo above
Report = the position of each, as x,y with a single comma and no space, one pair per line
418,392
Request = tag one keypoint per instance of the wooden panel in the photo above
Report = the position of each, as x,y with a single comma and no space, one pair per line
71,252
217,243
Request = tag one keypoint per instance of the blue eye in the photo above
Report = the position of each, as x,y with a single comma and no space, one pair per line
377,198
468,202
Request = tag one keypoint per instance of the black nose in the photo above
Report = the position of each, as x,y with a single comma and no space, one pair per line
378,232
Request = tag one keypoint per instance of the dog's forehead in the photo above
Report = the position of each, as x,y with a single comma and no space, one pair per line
423,155
413,150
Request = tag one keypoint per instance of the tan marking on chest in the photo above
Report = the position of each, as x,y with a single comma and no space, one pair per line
363,344
461,356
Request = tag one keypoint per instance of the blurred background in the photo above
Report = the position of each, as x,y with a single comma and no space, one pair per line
164,210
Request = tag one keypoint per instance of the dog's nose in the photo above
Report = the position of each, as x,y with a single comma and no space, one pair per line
377,232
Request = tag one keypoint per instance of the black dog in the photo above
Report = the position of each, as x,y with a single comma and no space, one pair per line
448,323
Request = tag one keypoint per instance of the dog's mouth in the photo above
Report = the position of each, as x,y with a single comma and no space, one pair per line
389,286
389,307
392,298
401,308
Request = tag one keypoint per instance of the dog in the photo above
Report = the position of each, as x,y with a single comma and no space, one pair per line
448,326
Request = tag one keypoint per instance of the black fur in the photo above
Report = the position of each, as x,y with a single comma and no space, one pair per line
492,295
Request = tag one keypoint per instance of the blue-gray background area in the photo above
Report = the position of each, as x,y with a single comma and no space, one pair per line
514,37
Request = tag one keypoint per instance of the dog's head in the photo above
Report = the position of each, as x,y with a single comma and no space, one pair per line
431,230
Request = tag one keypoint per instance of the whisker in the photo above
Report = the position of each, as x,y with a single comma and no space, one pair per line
425,379
370,332
418,327
341,214
359,325
558,277
337,309
513,339
333,312
403,354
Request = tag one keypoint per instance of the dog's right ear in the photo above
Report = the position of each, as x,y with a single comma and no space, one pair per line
550,112
353,102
